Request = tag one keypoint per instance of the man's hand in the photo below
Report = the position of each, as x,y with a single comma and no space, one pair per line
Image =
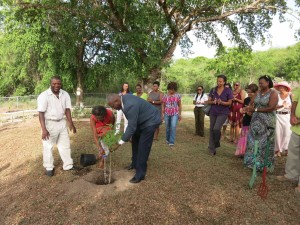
101,151
114,147
72,128
293,120
45,134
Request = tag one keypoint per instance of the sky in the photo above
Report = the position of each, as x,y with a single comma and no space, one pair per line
282,35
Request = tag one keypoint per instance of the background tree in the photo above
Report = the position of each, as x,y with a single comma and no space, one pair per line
235,63
94,42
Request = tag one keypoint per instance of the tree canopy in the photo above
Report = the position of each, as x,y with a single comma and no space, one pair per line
95,44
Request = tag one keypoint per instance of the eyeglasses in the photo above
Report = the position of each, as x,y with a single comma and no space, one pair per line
199,89
236,85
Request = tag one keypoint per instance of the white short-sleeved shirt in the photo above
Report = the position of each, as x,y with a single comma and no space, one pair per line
200,101
54,107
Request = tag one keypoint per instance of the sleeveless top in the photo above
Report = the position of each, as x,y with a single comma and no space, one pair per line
280,102
103,126
155,96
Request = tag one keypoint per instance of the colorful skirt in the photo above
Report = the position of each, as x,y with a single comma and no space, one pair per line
242,143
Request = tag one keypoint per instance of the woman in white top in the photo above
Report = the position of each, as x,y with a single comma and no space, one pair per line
198,101
124,90
283,131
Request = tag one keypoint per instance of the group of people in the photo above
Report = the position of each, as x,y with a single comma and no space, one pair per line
264,117
142,113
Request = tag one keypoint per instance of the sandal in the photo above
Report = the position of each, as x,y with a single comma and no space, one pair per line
277,154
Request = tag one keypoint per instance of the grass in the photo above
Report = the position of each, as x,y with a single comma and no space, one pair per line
183,186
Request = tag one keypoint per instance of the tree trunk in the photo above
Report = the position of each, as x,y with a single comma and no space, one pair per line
155,72
80,71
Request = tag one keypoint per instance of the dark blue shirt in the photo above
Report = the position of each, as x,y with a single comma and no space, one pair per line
139,113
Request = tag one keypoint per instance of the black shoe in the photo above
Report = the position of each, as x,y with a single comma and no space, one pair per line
50,173
135,180
75,168
130,167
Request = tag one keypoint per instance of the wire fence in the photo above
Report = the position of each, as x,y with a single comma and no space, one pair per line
19,107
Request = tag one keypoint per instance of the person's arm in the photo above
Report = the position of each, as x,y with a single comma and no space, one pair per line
113,119
210,100
273,101
180,109
69,118
95,134
243,95
132,114
158,102
160,98
228,103
45,133
194,100
204,99
42,106
293,119
163,106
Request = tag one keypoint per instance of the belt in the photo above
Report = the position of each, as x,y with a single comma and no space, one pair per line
55,120
283,113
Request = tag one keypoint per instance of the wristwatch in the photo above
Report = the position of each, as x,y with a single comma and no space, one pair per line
255,110
152,102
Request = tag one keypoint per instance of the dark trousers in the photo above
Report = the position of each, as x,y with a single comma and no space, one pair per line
141,145
199,121
216,123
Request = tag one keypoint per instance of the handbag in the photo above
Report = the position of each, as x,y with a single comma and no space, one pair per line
206,109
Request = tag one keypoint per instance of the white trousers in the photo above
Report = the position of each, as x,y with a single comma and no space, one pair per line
120,114
59,136
283,132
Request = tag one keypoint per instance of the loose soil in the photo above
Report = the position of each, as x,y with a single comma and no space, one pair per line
185,185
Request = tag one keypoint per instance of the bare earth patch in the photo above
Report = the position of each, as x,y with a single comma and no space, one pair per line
183,186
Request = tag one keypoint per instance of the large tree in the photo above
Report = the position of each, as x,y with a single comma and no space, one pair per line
139,37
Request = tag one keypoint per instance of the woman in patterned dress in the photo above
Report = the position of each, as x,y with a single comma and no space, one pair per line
262,125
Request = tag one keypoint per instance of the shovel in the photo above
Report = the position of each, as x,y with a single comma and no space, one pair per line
263,189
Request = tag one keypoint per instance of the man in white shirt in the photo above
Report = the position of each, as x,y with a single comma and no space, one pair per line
53,104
